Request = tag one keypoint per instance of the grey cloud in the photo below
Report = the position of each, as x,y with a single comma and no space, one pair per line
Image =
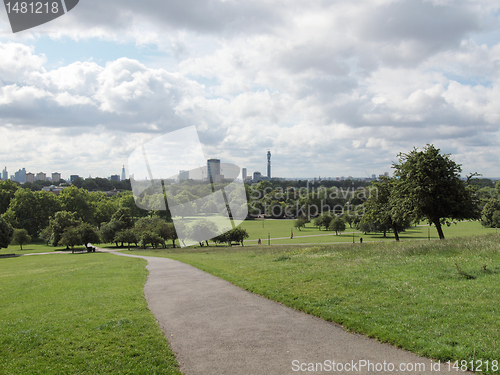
429,27
196,15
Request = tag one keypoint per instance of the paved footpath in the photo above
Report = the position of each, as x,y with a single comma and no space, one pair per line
214,327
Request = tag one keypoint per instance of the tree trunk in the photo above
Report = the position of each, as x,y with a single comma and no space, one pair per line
439,229
395,231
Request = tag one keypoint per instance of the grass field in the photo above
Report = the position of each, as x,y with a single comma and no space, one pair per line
78,314
33,248
439,299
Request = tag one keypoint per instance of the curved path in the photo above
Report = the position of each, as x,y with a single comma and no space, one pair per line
215,327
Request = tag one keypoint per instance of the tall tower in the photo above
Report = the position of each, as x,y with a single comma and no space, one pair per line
213,168
124,177
268,164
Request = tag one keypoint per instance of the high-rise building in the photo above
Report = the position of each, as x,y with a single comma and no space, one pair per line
5,174
20,176
183,175
30,177
244,173
213,168
124,177
257,176
268,164
73,177
115,177
56,176
40,176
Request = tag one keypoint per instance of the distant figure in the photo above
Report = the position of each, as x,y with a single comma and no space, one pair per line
360,239
291,237
259,241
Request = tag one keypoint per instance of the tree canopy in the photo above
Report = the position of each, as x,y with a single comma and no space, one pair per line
428,186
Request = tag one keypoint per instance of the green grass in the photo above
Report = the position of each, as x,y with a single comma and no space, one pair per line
78,314
439,299
280,231
34,248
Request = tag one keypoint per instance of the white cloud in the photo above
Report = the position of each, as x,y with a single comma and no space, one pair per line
330,88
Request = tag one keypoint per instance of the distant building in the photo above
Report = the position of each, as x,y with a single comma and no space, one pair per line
30,177
124,177
40,176
213,168
115,177
56,177
183,175
54,189
73,177
20,176
244,173
5,174
257,176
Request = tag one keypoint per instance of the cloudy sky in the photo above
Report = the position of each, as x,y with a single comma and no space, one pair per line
332,88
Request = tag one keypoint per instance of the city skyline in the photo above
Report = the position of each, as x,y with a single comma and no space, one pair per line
332,89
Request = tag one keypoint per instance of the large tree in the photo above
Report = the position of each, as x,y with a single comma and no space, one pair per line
379,208
32,210
428,186
61,221
6,233
7,191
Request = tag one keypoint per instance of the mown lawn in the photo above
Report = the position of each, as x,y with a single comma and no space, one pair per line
78,314
439,299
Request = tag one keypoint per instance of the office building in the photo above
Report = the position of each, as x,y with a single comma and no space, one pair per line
213,168
5,174
56,177
30,177
124,177
183,175
41,176
20,176
244,173
115,177
73,177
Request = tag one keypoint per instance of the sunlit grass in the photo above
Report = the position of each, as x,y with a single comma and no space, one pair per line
412,294
78,314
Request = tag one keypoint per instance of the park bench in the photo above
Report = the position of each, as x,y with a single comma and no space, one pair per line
8,255
88,249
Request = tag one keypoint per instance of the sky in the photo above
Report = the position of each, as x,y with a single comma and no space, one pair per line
331,88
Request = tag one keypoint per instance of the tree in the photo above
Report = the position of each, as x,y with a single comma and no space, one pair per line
6,233
203,230
428,186
337,224
32,210
60,222
70,237
323,220
88,234
7,190
78,201
380,208
238,234
300,222
127,236
78,182
149,237
491,213
21,237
